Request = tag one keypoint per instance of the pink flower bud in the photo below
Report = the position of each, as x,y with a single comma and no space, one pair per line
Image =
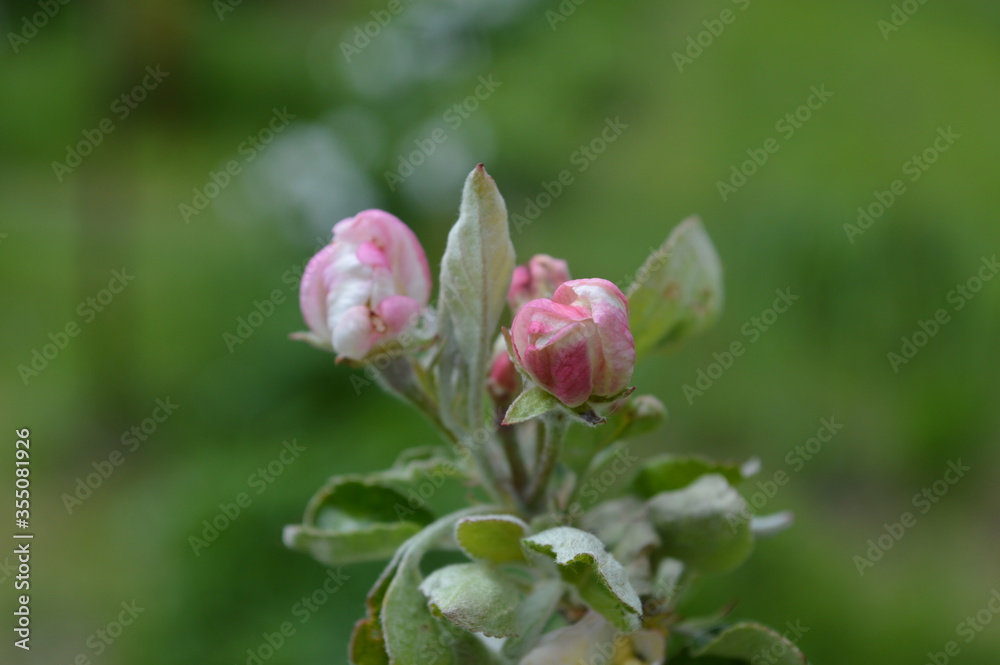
365,287
578,344
503,382
538,279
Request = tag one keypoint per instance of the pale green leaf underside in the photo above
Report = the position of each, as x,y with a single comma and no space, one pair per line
475,597
678,292
598,576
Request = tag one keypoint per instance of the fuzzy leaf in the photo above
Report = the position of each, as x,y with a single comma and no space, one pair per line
475,276
335,548
532,617
353,519
666,473
531,403
475,597
703,525
752,643
678,291
398,611
598,576
495,538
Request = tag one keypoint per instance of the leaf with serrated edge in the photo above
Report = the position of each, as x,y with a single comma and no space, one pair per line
678,291
746,641
475,276
475,597
495,538
532,403
598,576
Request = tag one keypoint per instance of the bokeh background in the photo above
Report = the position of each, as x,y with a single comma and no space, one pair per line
558,72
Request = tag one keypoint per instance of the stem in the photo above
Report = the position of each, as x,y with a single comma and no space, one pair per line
511,448
554,432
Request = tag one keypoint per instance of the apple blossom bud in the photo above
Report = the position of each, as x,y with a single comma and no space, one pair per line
538,279
578,344
503,382
366,286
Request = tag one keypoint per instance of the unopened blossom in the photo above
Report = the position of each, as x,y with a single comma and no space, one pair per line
539,278
366,286
576,345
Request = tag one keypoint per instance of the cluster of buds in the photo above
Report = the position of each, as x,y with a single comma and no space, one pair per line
569,337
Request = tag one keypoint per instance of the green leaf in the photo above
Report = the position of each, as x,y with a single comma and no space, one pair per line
495,538
703,525
532,617
412,635
475,276
354,519
598,576
367,647
531,403
474,596
752,643
666,473
336,548
678,292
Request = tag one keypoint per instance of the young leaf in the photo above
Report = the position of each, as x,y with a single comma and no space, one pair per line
494,538
475,276
475,597
666,473
532,403
411,633
354,519
703,524
532,617
749,642
335,548
598,576
678,292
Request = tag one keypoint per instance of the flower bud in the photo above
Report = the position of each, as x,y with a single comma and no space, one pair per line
578,344
503,381
366,286
538,279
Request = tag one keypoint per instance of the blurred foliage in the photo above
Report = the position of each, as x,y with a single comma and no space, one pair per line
559,83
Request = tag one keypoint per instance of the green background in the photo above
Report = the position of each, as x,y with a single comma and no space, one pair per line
560,81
